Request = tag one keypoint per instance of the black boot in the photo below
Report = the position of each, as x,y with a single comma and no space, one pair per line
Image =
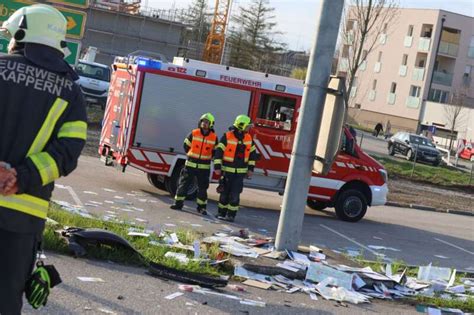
177,205
201,209
221,213
231,216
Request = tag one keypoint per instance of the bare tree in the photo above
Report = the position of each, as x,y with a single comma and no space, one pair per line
363,24
454,113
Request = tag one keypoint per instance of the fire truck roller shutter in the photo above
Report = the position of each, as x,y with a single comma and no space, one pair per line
170,108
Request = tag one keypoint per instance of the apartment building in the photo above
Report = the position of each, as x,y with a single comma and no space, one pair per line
421,62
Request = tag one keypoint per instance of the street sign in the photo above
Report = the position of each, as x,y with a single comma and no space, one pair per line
72,3
76,20
3,45
74,48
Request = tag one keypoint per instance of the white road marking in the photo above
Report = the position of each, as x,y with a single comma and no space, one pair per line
74,196
352,241
455,246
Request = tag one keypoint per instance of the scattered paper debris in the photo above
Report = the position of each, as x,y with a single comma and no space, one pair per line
182,258
170,224
257,284
90,279
197,249
109,201
138,234
141,220
313,296
196,225
377,238
428,273
174,295
108,190
441,256
318,272
90,192
106,311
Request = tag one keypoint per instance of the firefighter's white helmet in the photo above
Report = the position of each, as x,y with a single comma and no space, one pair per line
39,24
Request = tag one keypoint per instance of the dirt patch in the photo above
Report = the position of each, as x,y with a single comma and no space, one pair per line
407,192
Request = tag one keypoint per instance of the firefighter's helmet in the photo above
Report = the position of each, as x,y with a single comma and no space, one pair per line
209,117
39,24
242,122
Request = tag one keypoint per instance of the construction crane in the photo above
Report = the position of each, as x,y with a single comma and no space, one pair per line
216,39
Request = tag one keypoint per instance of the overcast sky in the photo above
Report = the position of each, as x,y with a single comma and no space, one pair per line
297,18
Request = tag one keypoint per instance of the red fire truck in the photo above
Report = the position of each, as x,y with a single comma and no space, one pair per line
152,105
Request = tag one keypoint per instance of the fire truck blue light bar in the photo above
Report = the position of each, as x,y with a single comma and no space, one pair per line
149,63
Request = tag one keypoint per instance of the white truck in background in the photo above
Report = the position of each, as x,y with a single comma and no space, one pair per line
94,78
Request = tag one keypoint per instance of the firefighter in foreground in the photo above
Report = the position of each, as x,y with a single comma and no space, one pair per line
234,159
199,145
43,130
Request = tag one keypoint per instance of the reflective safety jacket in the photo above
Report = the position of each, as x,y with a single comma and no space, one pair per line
200,148
235,153
43,130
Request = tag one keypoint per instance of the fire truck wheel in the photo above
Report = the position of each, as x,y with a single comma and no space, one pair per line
351,205
316,204
155,181
171,184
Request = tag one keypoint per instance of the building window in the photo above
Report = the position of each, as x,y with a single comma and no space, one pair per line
385,28
438,96
364,54
350,25
468,71
421,63
379,58
393,87
470,53
410,30
358,106
415,91
405,60
374,84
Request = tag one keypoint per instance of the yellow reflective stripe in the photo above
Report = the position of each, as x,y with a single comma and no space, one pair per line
242,170
222,206
247,142
217,161
194,155
232,142
198,138
233,208
206,157
73,129
201,202
48,126
28,204
46,166
228,169
252,148
197,165
228,159
190,164
187,142
179,198
209,142
252,163
220,146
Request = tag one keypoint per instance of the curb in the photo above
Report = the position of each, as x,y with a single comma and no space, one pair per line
431,209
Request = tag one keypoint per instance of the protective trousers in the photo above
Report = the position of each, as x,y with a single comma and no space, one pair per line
18,255
186,179
229,199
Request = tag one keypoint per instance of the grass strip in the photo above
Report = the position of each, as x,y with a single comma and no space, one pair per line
54,242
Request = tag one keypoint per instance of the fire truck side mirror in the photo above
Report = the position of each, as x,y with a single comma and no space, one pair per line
331,126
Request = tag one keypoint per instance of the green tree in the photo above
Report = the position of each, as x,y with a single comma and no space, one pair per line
299,73
253,43
197,17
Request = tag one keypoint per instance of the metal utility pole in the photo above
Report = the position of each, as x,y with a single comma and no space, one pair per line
309,121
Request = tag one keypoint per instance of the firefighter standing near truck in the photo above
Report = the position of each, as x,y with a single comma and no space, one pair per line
43,130
199,145
234,159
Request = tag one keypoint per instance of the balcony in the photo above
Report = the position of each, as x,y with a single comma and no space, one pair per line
383,39
448,49
378,67
349,40
413,102
391,98
470,52
418,74
408,41
363,65
403,71
424,44
372,95
343,64
443,78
